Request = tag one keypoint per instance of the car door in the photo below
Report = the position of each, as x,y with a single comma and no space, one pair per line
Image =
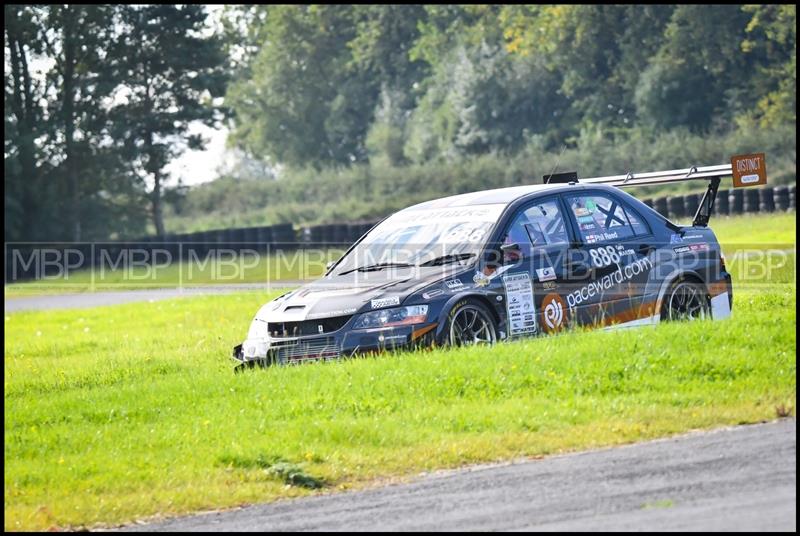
610,262
535,246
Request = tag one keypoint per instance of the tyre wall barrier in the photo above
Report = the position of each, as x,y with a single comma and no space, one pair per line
735,202
692,202
198,245
660,206
766,199
750,200
721,206
781,198
677,207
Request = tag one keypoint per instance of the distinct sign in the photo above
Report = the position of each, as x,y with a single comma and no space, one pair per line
749,169
519,304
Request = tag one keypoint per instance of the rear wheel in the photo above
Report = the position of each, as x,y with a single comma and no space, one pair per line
685,300
470,323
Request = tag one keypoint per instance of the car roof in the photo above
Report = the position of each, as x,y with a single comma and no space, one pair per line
502,196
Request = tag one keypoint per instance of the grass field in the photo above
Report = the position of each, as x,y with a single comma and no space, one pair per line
124,412
750,232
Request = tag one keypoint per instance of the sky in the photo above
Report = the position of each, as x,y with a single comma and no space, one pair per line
196,167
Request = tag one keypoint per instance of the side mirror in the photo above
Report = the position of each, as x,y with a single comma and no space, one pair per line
511,252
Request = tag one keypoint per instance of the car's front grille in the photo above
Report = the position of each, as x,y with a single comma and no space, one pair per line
305,328
308,349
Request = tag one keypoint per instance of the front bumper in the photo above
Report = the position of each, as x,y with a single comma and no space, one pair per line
331,346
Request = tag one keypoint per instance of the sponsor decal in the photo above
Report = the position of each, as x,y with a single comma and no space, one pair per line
588,227
620,275
546,274
339,312
675,239
432,293
553,312
385,302
586,219
580,211
519,304
454,284
691,247
693,237
549,285
481,279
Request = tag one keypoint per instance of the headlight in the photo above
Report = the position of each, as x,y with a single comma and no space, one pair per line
258,330
399,316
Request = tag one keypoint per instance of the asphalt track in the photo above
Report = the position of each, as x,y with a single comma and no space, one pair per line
732,479
116,297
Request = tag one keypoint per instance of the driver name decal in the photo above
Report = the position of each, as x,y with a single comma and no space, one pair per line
519,304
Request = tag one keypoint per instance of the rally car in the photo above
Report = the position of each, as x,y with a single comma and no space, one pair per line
502,264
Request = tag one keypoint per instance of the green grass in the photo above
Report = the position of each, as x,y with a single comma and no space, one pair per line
121,412
775,231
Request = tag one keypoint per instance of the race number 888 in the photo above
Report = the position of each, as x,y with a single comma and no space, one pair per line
602,257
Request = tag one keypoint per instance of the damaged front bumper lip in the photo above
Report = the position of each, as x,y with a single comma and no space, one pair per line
332,346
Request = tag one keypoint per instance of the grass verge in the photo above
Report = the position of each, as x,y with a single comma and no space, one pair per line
116,413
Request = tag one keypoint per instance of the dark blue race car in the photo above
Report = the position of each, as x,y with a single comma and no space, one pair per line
502,264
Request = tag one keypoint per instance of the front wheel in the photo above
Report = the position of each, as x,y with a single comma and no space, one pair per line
685,300
469,323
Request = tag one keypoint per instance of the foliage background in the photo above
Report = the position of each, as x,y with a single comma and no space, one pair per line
342,112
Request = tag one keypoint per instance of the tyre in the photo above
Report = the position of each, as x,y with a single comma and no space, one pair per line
469,323
685,300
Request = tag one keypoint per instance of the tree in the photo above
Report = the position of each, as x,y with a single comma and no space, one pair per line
771,43
76,38
169,74
22,125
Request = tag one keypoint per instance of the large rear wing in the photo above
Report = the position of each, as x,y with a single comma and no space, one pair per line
746,170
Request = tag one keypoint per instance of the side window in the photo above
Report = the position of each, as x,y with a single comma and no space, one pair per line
640,227
540,224
600,218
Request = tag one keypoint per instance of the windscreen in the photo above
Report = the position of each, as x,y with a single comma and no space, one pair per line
425,236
